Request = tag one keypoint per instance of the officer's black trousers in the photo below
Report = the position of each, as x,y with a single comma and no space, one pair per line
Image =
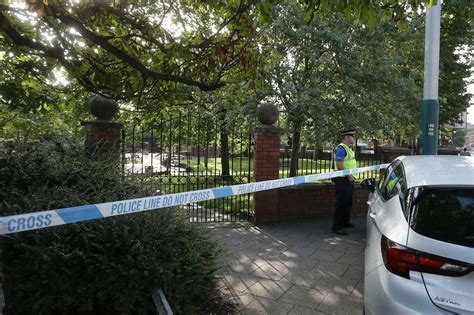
342,214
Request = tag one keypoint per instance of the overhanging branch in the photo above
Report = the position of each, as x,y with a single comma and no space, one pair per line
58,54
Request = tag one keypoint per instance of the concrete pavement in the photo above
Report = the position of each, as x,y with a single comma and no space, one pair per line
292,268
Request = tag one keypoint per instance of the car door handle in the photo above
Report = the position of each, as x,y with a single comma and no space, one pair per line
372,215
369,203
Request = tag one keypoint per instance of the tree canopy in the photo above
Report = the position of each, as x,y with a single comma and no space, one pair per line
127,49
335,57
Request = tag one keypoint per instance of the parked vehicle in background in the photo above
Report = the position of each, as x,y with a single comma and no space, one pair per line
465,152
419,256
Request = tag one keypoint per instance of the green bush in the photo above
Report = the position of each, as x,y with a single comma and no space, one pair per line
107,266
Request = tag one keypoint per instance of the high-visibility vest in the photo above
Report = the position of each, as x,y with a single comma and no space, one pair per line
349,160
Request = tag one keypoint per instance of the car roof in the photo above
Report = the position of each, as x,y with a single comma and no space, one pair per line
438,170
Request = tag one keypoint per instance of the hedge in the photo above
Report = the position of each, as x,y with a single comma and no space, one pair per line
107,266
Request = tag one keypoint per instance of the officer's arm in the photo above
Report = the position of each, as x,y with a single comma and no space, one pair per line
340,166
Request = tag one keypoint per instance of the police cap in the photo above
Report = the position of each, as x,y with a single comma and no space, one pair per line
347,132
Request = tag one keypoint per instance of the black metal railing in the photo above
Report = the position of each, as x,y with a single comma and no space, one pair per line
186,152
183,152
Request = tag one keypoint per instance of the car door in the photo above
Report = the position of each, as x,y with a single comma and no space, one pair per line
386,215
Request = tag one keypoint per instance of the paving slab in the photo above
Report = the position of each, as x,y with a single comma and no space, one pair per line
304,296
335,303
268,288
267,306
302,277
267,271
299,310
292,268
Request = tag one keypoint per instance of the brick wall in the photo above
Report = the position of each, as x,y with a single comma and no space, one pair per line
315,200
302,201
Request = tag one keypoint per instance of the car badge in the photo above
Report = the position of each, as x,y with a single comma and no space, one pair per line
446,301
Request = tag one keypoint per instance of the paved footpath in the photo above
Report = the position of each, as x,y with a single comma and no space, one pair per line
292,268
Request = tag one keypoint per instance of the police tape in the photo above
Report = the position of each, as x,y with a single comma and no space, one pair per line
50,218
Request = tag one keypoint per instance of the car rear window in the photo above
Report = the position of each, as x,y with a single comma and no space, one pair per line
444,214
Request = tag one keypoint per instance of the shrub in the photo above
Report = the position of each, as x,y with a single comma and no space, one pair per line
106,266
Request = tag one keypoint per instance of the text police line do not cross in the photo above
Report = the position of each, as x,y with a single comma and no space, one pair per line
50,218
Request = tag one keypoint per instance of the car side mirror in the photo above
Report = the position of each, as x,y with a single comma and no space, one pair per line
368,183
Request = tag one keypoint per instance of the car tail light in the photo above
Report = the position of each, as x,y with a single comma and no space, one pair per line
400,260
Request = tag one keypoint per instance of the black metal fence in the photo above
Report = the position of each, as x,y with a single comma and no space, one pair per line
186,152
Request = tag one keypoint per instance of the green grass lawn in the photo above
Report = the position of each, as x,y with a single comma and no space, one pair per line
240,166
236,165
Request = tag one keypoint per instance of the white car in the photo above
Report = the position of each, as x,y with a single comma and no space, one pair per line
419,256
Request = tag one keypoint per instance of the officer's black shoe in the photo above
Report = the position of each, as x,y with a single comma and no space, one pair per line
339,231
349,225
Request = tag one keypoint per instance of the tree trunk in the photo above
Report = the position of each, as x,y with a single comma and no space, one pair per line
295,149
206,151
225,150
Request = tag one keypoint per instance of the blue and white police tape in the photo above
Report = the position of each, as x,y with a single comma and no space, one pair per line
44,219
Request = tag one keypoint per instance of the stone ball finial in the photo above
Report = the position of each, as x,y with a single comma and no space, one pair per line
267,114
103,108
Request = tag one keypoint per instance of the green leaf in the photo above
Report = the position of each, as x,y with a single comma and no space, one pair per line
364,14
372,18
347,12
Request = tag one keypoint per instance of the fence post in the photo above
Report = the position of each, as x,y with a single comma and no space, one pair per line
103,135
266,164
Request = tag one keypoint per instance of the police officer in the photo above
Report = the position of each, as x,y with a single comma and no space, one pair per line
344,160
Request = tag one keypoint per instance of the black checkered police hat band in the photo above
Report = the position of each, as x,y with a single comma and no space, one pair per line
346,132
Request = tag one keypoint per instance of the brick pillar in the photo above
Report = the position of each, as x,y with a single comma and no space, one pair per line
103,135
266,167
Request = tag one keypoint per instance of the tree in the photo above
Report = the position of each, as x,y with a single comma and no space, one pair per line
32,103
125,49
325,72
128,50
228,106
456,55
329,74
